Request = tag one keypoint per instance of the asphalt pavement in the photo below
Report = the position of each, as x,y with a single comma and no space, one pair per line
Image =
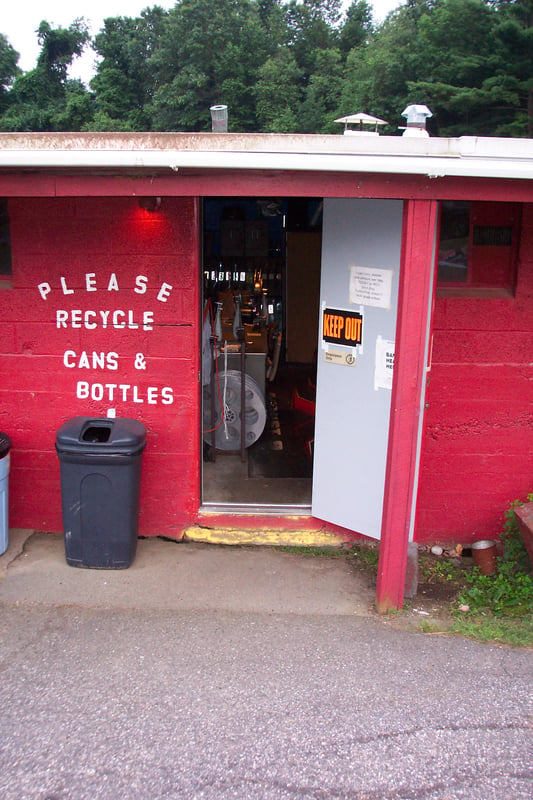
219,672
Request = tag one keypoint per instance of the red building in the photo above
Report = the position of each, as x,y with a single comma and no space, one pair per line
361,252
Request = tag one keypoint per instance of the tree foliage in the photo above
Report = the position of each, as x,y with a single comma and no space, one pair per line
45,99
123,85
209,54
283,65
514,46
278,93
456,41
8,69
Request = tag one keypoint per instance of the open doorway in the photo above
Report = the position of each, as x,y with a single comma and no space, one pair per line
261,286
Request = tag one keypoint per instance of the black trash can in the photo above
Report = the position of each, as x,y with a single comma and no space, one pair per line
100,462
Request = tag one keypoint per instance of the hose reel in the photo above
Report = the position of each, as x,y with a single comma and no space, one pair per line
228,426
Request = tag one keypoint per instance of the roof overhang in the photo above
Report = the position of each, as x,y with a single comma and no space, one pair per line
462,157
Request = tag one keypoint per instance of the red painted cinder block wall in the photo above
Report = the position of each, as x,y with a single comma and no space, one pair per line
478,442
102,276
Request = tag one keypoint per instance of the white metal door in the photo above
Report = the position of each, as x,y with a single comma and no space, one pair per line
359,293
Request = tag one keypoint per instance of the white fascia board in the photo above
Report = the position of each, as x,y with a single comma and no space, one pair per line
83,159
432,166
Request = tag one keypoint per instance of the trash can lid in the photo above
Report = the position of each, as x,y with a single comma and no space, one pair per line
5,444
101,435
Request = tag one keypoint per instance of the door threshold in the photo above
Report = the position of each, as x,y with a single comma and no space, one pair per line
256,509
288,526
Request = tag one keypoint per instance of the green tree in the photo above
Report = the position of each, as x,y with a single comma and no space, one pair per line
304,97
44,99
377,71
59,47
283,65
8,70
273,16
357,26
457,44
512,86
322,94
210,53
480,62
124,83
470,61
278,94
312,26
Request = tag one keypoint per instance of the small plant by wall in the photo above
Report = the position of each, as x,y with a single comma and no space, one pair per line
500,607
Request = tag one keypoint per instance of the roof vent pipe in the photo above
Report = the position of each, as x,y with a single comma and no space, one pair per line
219,119
416,116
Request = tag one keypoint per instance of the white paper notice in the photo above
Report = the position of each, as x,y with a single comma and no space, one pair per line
384,364
371,287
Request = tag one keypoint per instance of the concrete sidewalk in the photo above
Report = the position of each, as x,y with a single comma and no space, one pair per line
183,576
241,673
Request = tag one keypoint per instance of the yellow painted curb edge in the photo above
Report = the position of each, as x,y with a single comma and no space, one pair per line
306,538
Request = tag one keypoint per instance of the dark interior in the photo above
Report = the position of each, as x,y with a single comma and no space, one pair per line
261,276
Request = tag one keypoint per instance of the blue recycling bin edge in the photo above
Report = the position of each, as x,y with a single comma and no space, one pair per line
5,460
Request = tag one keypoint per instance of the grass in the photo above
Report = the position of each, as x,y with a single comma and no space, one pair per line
305,550
489,608
439,571
499,630
361,555
499,608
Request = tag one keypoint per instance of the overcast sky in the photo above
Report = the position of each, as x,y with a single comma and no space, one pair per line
19,21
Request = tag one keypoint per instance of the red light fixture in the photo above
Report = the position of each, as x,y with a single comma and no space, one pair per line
151,204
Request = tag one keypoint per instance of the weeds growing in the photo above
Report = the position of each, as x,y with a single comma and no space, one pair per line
500,607
490,608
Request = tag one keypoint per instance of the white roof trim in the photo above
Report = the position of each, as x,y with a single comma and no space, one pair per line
433,157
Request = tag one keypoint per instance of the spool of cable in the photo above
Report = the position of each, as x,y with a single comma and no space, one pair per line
228,426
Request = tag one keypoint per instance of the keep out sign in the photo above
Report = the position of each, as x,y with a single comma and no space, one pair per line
342,327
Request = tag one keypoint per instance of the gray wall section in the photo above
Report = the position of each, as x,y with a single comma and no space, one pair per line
352,422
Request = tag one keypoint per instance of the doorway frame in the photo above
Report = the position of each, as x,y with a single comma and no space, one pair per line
411,367
299,507
413,334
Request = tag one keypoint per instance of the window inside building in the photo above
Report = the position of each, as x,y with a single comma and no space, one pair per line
5,241
477,244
